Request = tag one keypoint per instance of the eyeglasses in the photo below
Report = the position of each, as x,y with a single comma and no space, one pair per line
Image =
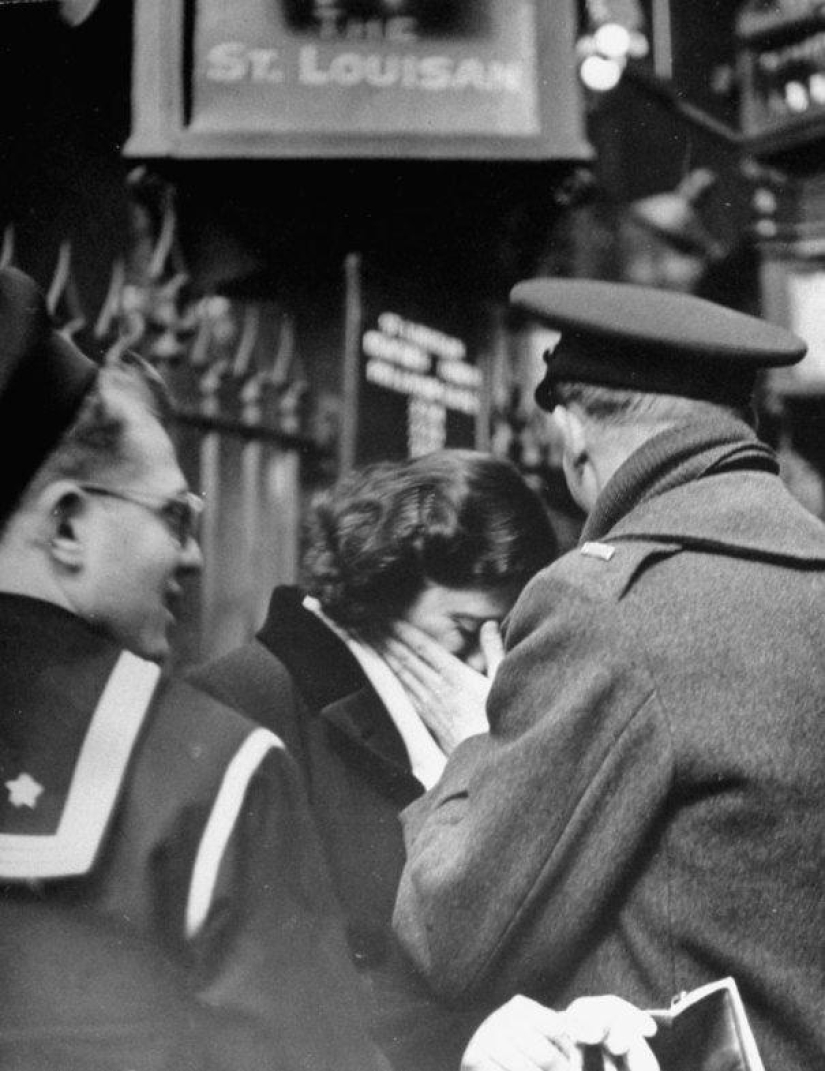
180,513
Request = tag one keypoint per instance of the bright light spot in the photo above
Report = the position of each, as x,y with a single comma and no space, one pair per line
639,46
600,74
612,40
764,201
816,87
796,96
766,228
585,46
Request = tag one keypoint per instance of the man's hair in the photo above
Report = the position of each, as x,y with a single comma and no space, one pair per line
454,517
614,407
96,441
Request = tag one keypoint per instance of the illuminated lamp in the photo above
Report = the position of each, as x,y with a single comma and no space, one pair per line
600,73
614,35
612,41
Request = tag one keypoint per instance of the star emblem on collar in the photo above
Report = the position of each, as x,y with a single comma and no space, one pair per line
24,791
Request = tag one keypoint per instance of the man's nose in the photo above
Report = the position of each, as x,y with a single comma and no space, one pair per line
191,558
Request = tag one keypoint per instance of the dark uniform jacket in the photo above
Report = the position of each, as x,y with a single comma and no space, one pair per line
299,679
83,993
149,804
648,812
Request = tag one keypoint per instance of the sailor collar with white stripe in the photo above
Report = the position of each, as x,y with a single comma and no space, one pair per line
97,776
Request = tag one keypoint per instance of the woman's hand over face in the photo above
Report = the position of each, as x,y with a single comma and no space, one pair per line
449,696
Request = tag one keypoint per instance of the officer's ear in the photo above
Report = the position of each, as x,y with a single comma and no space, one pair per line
573,433
66,506
580,472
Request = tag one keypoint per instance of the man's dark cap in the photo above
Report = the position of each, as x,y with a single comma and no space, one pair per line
655,341
43,380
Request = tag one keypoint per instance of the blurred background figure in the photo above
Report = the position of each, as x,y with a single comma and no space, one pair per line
445,542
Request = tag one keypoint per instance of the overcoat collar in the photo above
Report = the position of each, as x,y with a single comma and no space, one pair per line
320,663
711,486
679,455
743,514
336,689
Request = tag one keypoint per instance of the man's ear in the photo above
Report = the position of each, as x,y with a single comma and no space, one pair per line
580,471
573,433
66,507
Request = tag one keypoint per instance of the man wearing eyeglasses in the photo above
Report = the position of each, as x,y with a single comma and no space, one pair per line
158,538
126,796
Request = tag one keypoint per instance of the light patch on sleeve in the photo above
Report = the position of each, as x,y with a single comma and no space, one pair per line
603,551
221,823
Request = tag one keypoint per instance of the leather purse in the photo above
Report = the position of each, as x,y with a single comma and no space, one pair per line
706,1029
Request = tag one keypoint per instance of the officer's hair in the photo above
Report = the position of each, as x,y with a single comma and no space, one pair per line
453,517
616,407
96,441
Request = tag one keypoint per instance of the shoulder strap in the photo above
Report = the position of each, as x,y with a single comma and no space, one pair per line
714,546
96,781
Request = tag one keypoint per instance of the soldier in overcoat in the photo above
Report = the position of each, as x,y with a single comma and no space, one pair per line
647,812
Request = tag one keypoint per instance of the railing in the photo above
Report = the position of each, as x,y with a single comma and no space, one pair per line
245,429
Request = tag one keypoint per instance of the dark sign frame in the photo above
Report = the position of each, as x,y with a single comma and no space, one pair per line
163,96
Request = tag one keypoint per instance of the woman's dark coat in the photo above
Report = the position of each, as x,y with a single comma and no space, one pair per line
300,680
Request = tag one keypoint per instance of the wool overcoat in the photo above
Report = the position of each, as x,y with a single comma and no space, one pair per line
648,811
203,844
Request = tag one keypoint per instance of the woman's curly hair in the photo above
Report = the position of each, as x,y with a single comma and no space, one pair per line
454,517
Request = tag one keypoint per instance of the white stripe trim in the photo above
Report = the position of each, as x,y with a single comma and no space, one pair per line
221,822
96,780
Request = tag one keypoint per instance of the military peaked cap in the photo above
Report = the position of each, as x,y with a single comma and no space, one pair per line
656,341
43,380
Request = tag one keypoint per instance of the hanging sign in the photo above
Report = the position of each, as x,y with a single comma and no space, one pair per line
457,79
412,67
